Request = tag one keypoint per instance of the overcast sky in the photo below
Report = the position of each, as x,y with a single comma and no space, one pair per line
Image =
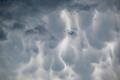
59,39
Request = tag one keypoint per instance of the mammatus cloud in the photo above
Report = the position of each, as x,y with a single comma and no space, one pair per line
59,40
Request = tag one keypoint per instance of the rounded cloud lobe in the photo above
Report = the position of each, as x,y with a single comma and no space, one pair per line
59,40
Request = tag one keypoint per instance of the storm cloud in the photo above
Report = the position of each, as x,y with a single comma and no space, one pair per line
59,40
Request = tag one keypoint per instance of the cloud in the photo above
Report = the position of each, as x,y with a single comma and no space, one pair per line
18,26
59,40
3,35
57,65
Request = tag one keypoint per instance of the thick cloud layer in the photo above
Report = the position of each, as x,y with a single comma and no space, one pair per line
59,40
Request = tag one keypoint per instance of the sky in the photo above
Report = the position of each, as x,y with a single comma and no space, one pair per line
59,39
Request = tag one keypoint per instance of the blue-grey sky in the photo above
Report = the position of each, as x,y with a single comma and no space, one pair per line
59,40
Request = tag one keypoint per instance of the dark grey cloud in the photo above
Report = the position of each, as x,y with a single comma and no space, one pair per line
117,3
35,44
82,7
30,31
17,9
117,52
18,26
3,35
5,2
41,29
